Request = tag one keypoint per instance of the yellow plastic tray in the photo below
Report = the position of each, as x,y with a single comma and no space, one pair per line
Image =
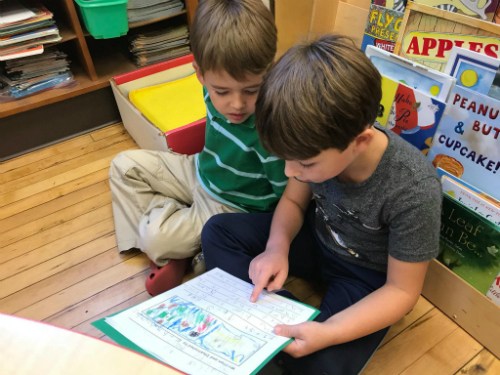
172,104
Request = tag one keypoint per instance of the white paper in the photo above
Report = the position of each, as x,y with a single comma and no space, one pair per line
208,325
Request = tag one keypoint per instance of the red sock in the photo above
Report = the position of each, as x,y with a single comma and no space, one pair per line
167,277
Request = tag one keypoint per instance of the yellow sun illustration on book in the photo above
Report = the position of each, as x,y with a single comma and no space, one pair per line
468,78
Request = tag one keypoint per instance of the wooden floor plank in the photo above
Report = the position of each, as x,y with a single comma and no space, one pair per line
35,200
54,284
483,363
102,301
397,355
25,273
57,162
46,152
87,328
44,238
85,289
107,132
22,188
53,206
458,345
56,219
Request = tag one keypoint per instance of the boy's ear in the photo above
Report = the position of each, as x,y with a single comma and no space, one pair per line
198,73
365,137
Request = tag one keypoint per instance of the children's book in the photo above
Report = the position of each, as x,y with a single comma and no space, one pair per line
467,140
470,247
480,203
412,114
427,80
473,70
382,27
208,325
484,10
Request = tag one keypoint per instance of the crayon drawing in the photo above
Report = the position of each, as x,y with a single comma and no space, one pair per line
204,329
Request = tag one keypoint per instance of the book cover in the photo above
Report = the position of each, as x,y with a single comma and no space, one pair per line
484,10
482,204
470,245
467,140
473,70
382,28
420,77
208,325
412,114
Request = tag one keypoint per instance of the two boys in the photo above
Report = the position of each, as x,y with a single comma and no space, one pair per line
361,211
161,200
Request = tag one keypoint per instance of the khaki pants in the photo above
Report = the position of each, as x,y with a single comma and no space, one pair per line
159,205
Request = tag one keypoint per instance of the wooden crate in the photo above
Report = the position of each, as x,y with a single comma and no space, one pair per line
440,30
427,34
470,309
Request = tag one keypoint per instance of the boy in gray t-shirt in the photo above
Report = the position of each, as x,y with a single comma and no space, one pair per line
361,211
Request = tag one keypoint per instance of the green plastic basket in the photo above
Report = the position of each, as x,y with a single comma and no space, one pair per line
104,18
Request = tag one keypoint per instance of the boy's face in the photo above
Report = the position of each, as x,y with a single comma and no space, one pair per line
327,164
234,99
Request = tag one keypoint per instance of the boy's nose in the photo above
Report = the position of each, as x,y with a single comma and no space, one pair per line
238,102
291,169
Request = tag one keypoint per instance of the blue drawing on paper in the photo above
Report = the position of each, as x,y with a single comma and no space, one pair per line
203,329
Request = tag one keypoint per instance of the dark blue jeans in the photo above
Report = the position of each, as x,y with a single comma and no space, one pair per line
231,241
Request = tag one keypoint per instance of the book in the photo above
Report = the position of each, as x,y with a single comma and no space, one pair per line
208,325
412,114
466,142
425,79
473,70
484,10
382,28
483,205
442,172
470,246
28,51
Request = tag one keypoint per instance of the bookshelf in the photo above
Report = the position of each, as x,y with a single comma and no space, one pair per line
94,62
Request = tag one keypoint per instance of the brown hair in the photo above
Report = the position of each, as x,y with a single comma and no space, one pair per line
236,36
319,95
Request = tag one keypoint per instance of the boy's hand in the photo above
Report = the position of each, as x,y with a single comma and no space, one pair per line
307,338
268,270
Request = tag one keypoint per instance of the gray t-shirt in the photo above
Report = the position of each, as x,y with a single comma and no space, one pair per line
396,212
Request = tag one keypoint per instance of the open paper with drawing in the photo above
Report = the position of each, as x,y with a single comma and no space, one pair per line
208,325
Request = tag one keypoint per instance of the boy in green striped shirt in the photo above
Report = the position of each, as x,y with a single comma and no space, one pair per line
161,200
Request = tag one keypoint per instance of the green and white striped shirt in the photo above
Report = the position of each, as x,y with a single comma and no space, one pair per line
234,168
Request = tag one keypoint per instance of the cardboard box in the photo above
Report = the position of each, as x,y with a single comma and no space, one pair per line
186,139
299,20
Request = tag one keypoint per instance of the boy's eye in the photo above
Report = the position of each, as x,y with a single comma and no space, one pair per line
221,93
252,91
305,166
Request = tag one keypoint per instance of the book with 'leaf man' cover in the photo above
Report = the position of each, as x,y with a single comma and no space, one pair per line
470,247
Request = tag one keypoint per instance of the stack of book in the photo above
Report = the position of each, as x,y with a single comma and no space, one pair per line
32,74
466,153
25,29
143,10
413,97
157,45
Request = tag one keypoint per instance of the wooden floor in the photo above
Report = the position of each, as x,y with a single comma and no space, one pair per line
59,263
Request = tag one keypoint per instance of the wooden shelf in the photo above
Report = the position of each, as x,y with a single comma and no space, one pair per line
91,66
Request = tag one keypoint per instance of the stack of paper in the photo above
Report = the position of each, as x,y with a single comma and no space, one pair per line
28,75
24,30
158,45
142,10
